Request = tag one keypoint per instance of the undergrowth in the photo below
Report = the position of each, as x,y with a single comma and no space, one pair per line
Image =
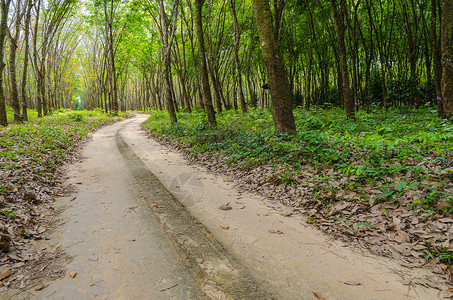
396,157
35,149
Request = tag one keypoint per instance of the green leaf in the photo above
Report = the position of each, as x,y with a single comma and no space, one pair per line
400,186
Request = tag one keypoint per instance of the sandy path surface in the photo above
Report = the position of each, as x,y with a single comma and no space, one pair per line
126,248
295,263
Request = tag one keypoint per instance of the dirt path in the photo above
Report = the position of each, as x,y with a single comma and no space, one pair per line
131,239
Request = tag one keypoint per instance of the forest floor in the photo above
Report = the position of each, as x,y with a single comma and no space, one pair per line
121,234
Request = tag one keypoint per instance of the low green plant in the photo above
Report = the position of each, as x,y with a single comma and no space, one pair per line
392,151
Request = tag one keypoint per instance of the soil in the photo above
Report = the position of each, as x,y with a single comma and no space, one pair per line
145,223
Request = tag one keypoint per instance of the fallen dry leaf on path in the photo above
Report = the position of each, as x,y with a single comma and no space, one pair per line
352,283
286,215
200,261
225,206
275,231
73,274
5,273
41,286
226,227
319,296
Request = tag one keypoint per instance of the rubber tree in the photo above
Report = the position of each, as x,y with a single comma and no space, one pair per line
207,96
339,15
237,38
436,52
447,58
25,63
14,36
281,94
167,41
3,28
109,13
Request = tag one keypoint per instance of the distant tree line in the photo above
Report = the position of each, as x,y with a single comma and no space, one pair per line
217,55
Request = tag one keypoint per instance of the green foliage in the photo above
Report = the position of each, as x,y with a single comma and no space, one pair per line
8,212
37,148
401,154
32,114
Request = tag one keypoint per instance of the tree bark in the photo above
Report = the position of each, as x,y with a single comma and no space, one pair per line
447,58
167,42
26,57
3,28
237,38
203,68
437,63
339,22
14,38
281,95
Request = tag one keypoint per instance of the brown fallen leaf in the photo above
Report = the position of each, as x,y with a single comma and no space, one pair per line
133,240
41,286
287,215
73,274
450,273
450,289
275,231
209,235
226,227
156,205
5,273
200,261
319,296
352,283
225,206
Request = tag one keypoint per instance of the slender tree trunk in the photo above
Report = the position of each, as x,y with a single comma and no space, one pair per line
437,63
26,57
3,28
447,57
281,95
203,68
339,22
109,15
237,38
167,61
14,38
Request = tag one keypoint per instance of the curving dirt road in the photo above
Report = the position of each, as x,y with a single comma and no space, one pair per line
131,238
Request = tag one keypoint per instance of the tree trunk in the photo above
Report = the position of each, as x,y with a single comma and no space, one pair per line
237,38
447,57
25,67
14,38
167,61
281,95
339,22
203,68
3,28
437,64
